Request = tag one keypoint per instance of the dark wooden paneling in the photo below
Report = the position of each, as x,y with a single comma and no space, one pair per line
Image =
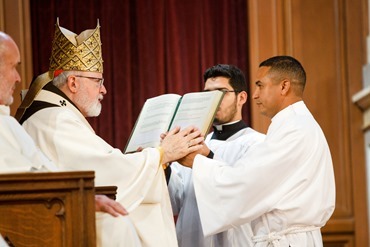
48,209
338,240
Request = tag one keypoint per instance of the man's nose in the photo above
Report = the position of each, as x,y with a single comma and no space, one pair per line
17,77
255,94
103,90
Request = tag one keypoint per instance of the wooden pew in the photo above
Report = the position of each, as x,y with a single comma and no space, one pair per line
109,191
48,209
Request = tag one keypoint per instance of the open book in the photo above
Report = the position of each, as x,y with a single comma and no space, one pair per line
162,113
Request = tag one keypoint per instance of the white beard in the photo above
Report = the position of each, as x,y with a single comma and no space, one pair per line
92,108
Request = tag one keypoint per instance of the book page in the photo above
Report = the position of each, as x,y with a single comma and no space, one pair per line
198,109
154,119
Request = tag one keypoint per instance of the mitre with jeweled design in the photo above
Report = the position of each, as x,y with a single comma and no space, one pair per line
70,52
76,52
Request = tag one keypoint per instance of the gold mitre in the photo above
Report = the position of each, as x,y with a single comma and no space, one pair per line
69,52
76,52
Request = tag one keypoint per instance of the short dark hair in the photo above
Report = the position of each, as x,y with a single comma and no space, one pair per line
286,66
234,74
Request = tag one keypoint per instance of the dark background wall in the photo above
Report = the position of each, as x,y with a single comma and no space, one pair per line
149,48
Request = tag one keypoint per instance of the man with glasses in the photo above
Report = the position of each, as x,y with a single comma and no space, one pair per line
229,141
19,152
54,113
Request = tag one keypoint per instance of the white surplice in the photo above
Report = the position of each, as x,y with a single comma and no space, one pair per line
184,204
20,154
284,186
18,151
67,138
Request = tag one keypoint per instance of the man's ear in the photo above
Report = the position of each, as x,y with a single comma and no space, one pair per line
72,84
242,96
285,86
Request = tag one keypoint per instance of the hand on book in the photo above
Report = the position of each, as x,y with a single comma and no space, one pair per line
176,144
189,159
161,113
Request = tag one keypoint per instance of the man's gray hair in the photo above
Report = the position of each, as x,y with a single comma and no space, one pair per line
61,79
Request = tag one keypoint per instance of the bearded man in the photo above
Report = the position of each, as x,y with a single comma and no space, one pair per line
54,113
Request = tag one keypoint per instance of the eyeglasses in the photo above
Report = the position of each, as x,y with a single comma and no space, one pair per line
224,90
97,79
228,91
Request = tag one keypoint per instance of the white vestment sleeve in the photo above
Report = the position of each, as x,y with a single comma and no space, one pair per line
18,151
176,186
283,174
66,137
188,226
73,146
